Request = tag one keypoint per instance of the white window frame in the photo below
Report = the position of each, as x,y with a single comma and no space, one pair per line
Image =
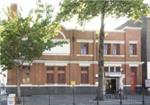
105,49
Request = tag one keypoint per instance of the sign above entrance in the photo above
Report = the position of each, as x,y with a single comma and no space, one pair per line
113,74
147,83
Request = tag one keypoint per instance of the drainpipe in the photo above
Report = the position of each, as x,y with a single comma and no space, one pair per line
125,57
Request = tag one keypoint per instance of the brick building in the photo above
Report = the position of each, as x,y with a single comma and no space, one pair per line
77,60
144,24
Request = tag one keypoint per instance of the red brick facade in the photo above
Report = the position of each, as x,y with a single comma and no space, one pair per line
82,66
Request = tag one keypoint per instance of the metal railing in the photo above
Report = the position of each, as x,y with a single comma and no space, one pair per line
86,99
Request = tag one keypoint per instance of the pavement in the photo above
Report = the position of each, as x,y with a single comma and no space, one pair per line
84,99
3,99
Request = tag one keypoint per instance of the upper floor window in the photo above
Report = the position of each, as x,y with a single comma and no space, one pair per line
107,49
118,69
116,49
112,69
133,49
84,48
106,69
63,49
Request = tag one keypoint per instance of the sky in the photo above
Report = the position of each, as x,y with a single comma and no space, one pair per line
94,24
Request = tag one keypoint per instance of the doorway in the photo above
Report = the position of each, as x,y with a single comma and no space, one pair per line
111,86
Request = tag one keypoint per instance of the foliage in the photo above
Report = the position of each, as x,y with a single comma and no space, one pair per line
23,39
84,10
87,9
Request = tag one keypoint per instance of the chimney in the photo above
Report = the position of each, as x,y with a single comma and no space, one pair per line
12,10
13,7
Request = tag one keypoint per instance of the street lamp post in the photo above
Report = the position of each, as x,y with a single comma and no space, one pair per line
73,92
73,95
143,86
120,95
143,96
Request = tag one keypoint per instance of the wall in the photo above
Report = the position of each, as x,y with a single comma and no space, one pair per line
75,60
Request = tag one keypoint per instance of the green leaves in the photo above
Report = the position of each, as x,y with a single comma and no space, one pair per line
87,9
25,38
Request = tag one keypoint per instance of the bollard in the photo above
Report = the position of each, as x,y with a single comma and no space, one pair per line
120,94
97,102
49,100
143,96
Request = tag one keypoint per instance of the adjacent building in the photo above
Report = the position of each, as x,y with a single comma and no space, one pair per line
77,62
144,24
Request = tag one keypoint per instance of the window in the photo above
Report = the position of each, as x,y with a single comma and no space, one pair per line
111,69
84,75
26,74
49,68
84,48
26,67
106,69
118,69
61,68
50,74
50,78
63,49
133,69
133,49
107,49
116,49
26,71
61,75
61,78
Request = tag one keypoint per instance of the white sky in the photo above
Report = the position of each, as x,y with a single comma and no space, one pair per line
94,24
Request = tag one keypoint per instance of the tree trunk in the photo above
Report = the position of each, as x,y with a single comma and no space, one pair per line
100,89
18,85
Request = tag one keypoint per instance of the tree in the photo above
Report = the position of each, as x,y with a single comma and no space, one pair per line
87,9
23,39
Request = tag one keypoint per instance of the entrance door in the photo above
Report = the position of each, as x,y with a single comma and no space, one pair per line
110,86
